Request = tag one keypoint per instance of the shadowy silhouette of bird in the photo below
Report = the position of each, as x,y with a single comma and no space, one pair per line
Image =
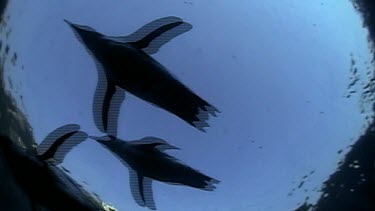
146,160
124,63
45,183
60,142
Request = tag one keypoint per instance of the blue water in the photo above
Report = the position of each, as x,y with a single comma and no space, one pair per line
278,72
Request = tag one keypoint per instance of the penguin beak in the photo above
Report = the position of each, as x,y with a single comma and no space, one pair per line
68,22
76,27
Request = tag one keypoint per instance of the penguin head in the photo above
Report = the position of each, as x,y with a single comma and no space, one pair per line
108,141
85,34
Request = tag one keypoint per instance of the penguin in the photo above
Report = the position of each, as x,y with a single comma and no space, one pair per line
46,184
125,64
146,161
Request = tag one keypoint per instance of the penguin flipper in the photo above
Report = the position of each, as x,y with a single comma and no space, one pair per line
141,189
155,34
114,110
136,188
148,193
60,142
107,102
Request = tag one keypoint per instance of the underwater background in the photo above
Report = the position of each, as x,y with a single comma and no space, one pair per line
292,79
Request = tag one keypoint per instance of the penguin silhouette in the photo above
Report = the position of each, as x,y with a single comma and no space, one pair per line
45,183
146,161
124,64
